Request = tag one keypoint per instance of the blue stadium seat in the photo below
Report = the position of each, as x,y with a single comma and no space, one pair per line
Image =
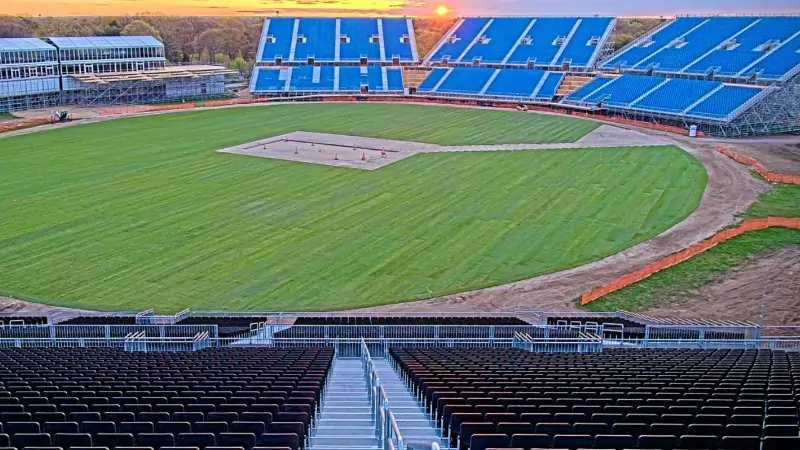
433,78
466,80
676,95
457,40
543,44
517,40
585,42
515,83
766,47
377,39
269,80
500,37
747,47
398,37
624,90
312,78
724,101
352,78
356,40
649,44
319,39
277,39
582,92
550,86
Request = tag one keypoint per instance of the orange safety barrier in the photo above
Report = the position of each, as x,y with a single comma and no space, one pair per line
135,109
22,124
772,177
683,255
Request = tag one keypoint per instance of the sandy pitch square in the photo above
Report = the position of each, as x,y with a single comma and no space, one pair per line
332,149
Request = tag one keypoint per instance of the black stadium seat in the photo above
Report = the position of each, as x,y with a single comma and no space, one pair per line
107,398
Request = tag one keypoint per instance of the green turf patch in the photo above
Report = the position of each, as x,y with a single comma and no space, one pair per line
677,281
782,201
143,212
7,116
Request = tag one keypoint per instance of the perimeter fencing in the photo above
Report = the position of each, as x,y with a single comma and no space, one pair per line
348,339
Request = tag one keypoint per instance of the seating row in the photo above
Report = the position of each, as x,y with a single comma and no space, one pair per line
343,79
724,396
621,442
527,41
105,397
509,84
337,40
697,98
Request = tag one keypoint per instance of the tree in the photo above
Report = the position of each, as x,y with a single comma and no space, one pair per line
239,64
209,42
15,27
140,28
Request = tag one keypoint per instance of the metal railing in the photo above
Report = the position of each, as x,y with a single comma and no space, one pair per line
386,430
140,342
583,343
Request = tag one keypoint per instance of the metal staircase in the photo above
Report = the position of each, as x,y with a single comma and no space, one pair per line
415,425
347,420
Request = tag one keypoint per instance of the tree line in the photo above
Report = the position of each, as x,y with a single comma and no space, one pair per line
224,40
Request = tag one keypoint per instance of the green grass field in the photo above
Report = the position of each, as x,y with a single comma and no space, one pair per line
143,212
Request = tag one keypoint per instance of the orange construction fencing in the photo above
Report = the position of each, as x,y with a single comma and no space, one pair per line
772,177
137,109
683,255
22,124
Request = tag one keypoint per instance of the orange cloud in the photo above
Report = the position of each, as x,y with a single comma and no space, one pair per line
211,7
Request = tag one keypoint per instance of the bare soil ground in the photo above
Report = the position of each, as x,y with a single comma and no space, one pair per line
730,191
737,294
780,154
10,305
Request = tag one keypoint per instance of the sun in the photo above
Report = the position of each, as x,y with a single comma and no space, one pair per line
442,10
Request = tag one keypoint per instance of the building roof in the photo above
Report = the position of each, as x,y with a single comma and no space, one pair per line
12,44
170,72
105,42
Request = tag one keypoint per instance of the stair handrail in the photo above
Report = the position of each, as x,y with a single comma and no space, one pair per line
386,429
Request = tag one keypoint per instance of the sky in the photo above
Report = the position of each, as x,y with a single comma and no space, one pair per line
624,8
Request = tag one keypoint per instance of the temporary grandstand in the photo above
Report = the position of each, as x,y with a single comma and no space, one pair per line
333,56
96,70
563,43
731,76
361,41
526,380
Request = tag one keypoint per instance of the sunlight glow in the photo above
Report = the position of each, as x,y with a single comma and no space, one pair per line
442,10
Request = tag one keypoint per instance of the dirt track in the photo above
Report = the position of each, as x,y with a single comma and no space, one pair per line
780,154
730,191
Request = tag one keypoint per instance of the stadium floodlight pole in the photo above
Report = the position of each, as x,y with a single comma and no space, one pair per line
763,306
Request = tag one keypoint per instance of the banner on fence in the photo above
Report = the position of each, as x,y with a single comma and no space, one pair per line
683,255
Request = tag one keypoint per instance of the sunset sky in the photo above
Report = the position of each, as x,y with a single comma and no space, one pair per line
396,7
